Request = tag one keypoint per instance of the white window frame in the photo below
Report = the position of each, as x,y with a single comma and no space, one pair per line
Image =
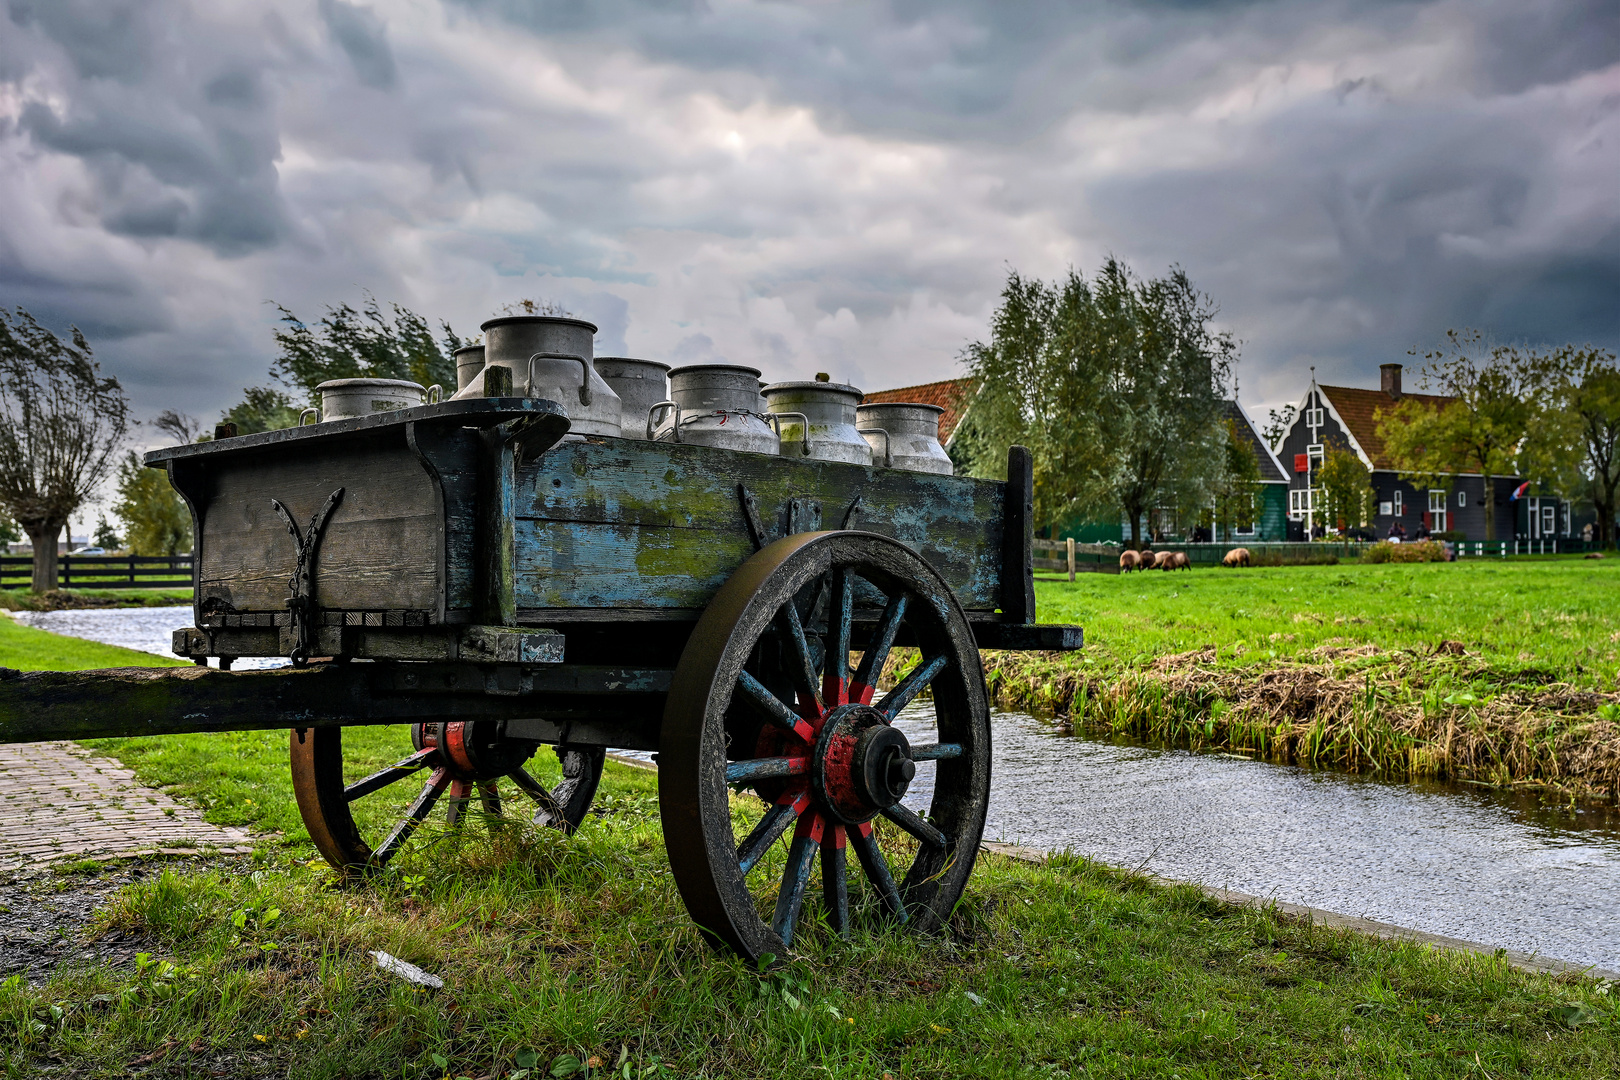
1549,519
1396,499
1313,418
1462,500
1437,510
1299,503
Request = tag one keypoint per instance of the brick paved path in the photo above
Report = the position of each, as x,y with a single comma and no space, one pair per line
58,801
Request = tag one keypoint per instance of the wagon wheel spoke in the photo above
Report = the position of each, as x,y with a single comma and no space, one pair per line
456,805
877,870
826,765
877,651
413,817
535,790
462,757
834,883
383,777
908,820
840,618
796,875
912,685
770,828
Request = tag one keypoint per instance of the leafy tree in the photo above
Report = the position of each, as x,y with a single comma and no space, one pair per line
156,521
262,408
369,343
1237,489
61,425
104,536
1278,421
8,532
1114,384
1483,430
1575,442
1347,491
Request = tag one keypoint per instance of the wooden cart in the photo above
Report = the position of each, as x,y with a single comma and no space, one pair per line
465,569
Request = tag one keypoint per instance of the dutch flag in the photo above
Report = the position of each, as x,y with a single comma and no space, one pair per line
1519,491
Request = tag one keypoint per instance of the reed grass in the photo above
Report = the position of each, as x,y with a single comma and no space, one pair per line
1499,673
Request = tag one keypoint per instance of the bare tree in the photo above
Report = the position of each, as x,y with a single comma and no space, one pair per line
61,426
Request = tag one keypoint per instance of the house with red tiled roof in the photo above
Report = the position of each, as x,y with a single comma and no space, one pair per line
1347,417
949,394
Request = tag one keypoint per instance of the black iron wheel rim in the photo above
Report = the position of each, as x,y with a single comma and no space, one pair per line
700,757
460,767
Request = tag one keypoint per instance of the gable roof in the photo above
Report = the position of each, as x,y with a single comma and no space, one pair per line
949,394
1357,412
1271,470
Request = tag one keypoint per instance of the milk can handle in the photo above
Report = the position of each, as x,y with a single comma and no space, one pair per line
311,411
664,405
776,419
585,375
888,456
435,394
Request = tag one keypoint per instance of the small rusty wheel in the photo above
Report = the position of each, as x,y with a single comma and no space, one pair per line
459,757
763,700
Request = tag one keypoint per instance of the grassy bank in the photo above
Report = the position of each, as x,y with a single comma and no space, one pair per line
1497,672
567,956
561,951
59,599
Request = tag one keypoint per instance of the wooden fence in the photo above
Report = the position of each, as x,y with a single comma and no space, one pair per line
103,571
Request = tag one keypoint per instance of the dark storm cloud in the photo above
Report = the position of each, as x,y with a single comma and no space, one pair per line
364,38
170,155
832,186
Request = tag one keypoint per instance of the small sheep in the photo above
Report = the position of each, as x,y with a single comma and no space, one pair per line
1128,561
1163,560
1236,557
1180,561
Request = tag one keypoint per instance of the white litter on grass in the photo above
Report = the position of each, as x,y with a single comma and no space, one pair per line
407,971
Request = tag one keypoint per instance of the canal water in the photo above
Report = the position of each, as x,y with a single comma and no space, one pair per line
1463,862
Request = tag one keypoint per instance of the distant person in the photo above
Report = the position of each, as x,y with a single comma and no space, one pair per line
1397,532
1586,533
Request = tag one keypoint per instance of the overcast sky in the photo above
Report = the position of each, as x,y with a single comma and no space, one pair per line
823,186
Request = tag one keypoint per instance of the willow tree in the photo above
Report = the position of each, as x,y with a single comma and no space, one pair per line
61,425
1115,384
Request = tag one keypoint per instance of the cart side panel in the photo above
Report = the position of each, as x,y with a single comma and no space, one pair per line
382,549
644,527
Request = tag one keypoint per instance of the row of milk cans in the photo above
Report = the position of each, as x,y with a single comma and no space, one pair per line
722,405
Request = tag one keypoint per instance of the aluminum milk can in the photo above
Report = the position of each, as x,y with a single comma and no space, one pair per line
828,409
550,357
640,384
345,399
904,435
469,362
713,405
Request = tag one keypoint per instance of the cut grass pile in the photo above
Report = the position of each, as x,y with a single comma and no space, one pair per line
1496,672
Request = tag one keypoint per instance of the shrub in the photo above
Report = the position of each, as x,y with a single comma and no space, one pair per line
1416,551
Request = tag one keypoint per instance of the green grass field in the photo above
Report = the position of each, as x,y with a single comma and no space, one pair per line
1562,615
568,956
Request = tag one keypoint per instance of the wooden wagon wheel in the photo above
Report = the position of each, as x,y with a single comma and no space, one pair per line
459,758
763,700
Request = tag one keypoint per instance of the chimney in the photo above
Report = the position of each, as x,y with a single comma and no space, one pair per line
1390,380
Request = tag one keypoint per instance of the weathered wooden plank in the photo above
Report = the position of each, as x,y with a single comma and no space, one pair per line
1017,566
623,524
594,706
381,547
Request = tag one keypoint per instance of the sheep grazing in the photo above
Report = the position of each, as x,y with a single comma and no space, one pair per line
1146,557
1179,561
1128,561
1236,557
1163,560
